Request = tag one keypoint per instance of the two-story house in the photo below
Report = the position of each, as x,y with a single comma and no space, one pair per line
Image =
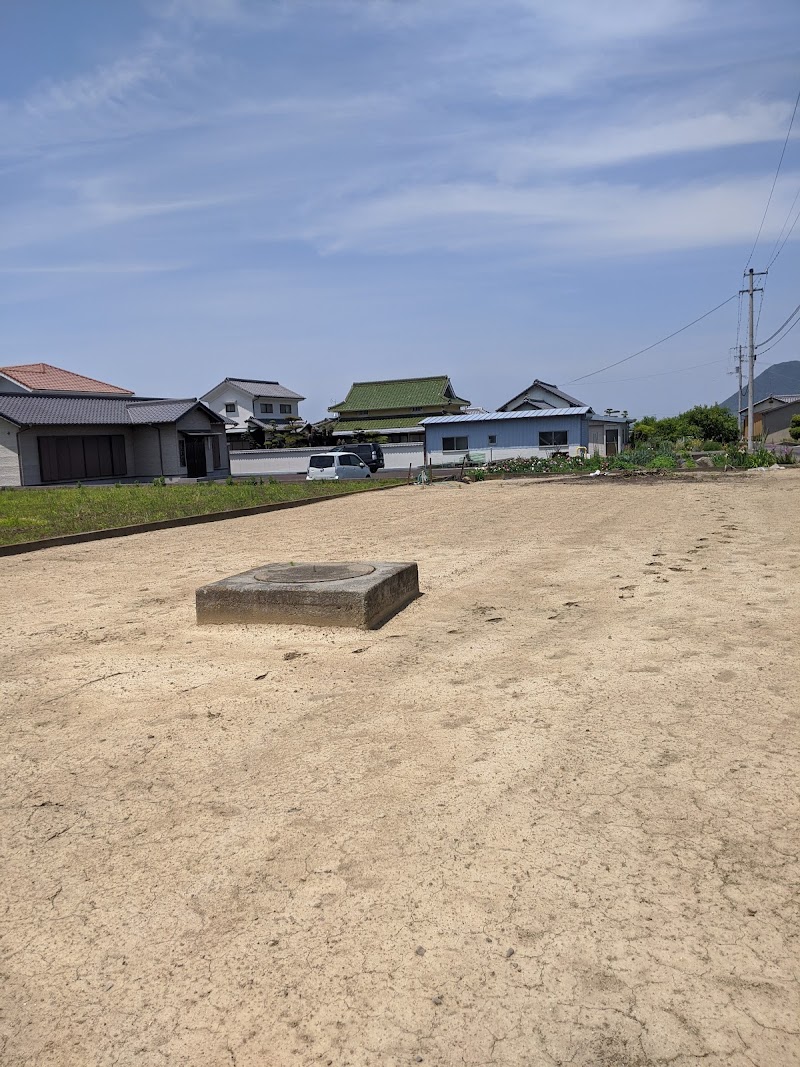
247,402
608,433
394,409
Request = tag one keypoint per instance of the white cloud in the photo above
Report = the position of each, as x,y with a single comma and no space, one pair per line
641,138
568,220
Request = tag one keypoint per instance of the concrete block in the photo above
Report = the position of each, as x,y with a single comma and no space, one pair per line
362,594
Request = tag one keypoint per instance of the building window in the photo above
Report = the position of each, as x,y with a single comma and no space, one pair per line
286,409
492,438
266,409
551,438
455,444
215,452
181,451
230,409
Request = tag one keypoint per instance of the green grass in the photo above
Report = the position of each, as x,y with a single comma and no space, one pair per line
32,514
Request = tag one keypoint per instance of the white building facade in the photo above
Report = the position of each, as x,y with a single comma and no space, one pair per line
250,403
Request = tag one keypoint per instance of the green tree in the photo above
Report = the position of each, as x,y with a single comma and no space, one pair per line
710,423
794,428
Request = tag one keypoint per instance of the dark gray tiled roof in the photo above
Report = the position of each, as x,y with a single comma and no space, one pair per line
263,388
159,410
30,409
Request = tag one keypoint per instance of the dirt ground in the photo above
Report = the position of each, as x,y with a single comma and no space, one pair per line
547,815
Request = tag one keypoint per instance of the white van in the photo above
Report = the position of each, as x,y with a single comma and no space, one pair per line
336,466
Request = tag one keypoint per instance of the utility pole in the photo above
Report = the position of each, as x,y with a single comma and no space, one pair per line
739,405
751,349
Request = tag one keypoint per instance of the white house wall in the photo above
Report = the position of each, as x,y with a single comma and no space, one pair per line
247,407
256,462
9,455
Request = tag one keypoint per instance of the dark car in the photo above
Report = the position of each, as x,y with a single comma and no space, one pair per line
369,453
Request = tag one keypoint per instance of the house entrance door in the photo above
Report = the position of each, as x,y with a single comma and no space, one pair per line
612,442
196,457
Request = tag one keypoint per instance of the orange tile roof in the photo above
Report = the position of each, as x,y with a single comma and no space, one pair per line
44,376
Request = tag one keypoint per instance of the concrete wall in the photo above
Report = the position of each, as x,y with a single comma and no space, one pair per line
263,461
9,455
513,437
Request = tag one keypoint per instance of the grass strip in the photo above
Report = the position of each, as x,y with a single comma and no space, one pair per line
35,514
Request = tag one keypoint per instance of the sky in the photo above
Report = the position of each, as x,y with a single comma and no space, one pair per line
323,191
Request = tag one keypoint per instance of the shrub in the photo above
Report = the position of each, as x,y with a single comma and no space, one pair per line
713,446
160,481
662,463
794,428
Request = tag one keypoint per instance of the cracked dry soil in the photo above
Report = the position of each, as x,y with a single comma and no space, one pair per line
547,815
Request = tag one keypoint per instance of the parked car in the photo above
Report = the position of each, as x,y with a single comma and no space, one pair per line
370,453
336,466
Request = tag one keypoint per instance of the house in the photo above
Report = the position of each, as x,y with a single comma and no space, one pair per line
608,434
540,395
772,418
507,434
395,409
47,438
44,377
247,402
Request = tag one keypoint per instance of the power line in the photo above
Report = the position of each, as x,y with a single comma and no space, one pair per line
655,344
767,341
774,181
663,373
789,234
780,338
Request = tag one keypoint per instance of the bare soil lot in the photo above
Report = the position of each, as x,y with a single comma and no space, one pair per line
546,815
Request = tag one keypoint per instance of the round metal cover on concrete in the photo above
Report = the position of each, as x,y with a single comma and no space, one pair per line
304,573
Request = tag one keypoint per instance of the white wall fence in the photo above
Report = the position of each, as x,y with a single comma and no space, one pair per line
261,461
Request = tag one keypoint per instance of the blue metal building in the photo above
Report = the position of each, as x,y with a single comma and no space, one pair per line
507,434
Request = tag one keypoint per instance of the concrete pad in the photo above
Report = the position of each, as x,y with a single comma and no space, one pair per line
362,594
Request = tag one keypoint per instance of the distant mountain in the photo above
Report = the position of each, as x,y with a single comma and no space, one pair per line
773,381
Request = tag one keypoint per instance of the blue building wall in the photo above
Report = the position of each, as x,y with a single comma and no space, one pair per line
513,437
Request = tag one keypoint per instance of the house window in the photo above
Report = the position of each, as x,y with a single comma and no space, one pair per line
266,409
492,438
551,438
455,444
286,409
230,409
215,452
182,451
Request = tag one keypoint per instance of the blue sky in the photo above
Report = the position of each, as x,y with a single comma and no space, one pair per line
319,191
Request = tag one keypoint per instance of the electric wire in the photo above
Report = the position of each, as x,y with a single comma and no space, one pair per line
655,344
774,182
774,335
780,338
789,233
663,373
